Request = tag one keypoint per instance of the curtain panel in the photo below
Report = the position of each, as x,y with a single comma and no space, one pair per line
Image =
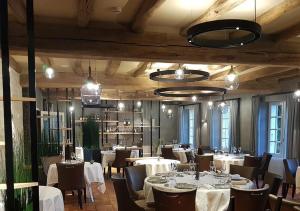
293,127
234,123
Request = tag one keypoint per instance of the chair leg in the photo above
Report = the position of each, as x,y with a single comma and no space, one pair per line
123,172
256,179
84,195
64,194
109,171
118,170
293,190
79,198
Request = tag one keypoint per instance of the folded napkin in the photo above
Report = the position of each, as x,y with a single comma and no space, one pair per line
240,182
235,176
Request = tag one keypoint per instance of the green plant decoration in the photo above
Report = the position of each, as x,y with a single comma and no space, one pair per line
90,134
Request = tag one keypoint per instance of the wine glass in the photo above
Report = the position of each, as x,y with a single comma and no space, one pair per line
212,166
240,150
73,156
223,168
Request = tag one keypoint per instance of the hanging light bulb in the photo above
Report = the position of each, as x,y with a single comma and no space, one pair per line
170,113
71,109
194,98
179,74
210,104
138,104
90,91
121,106
297,93
223,106
231,80
48,71
163,108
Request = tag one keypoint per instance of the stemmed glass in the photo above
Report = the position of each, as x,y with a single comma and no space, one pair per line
223,169
212,166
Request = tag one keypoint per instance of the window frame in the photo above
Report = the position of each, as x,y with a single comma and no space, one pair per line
227,139
282,141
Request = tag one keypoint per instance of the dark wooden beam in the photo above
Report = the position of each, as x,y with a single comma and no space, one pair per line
85,8
19,10
145,11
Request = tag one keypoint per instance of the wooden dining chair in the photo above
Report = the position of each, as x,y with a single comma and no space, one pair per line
167,153
135,177
125,203
203,161
290,167
248,199
172,201
263,168
274,202
70,178
119,162
274,182
243,171
183,167
288,205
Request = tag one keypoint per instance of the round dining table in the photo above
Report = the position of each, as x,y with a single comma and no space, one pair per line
180,154
213,193
225,160
50,199
93,173
159,165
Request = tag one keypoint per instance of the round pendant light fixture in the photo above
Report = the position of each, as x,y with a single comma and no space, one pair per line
246,32
189,91
180,75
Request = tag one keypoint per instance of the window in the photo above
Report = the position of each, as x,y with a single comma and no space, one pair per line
191,126
225,129
275,133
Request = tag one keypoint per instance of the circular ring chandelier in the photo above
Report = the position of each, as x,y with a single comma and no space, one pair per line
189,91
252,30
185,75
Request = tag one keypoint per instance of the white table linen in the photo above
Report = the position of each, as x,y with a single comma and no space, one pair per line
227,160
110,155
50,199
79,153
208,198
298,180
180,154
93,173
154,166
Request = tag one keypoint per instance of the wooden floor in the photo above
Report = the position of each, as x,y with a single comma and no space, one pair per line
108,202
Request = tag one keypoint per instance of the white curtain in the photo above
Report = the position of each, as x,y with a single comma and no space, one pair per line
293,127
215,127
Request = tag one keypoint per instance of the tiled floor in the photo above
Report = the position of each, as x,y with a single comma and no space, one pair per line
108,202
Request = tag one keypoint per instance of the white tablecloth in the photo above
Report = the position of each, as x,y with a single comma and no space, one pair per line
51,199
208,198
180,154
298,180
220,160
92,173
79,153
110,155
154,166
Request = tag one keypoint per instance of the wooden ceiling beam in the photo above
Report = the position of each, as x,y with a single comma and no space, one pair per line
294,72
143,14
112,67
14,65
46,60
19,10
217,9
288,33
85,8
77,68
277,11
141,70
65,42
222,74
